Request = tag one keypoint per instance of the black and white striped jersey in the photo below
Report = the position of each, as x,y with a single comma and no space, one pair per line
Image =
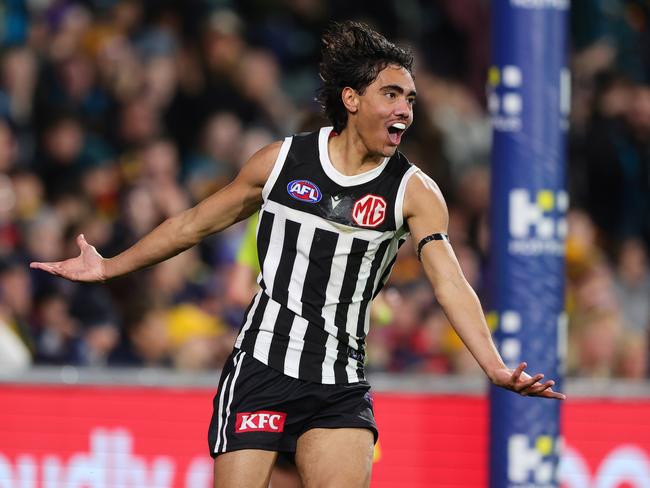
326,245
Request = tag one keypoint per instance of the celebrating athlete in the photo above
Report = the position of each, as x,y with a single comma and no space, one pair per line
335,205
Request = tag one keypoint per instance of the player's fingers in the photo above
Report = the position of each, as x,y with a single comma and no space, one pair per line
525,385
545,390
81,242
539,388
518,370
553,394
49,267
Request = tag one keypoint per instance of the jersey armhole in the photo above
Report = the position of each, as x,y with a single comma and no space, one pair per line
277,167
399,201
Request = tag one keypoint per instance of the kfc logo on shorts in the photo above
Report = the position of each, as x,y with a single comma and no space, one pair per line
369,211
262,421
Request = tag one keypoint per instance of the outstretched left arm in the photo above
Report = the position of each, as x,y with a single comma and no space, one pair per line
426,213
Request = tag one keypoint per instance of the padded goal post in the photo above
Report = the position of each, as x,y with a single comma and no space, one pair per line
528,100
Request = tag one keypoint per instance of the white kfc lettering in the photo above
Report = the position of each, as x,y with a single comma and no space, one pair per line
264,418
248,422
260,421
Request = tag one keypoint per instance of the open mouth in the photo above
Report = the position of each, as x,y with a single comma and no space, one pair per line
395,132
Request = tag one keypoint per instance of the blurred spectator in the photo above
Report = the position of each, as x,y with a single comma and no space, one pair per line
596,345
30,195
44,237
57,331
632,285
18,81
632,356
93,308
16,340
9,232
14,355
224,47
145,340
59,160
160,174
8,147
259,82
216,162
199,341
465,127
16,306
137,123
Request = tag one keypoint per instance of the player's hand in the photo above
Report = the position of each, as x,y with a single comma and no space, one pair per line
524,384
87,267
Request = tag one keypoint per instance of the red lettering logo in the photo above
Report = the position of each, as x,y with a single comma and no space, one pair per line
262,421
369,211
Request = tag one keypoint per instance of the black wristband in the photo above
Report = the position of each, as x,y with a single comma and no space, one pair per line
433,237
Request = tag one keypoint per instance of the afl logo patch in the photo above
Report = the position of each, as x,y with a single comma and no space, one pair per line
369,211
305,191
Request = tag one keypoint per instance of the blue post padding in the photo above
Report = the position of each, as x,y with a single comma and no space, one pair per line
528,100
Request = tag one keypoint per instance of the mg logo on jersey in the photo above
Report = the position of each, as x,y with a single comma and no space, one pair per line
305,191
262,421
369,211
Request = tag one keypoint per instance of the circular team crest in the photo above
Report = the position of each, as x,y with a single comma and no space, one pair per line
369,211
305,191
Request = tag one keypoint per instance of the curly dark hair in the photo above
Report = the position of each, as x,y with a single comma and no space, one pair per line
353,55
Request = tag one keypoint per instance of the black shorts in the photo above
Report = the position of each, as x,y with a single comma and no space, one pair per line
257,407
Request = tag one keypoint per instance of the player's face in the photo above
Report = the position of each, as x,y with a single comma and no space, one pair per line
386,110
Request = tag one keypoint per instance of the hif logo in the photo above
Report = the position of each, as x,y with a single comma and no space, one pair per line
305,191
532,460
537,222
505,101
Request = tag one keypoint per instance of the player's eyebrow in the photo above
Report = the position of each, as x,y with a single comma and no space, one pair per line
398,89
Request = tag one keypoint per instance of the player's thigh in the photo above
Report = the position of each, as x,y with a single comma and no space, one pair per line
246,468
328,458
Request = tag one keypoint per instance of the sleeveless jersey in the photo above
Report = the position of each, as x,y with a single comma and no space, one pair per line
326,244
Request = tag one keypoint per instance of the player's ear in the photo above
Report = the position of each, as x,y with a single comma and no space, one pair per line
350,99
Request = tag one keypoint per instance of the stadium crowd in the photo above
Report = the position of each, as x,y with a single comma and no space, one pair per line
115,114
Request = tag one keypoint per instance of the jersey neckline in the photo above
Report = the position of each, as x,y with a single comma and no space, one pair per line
334,174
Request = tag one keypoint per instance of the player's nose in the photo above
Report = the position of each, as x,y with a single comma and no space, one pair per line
403,109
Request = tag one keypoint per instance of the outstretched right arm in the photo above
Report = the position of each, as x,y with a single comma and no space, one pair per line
231,204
